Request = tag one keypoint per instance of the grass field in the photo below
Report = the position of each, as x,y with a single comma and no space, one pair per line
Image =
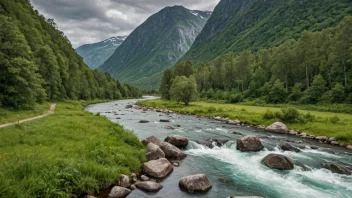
7,116
71,152
338,125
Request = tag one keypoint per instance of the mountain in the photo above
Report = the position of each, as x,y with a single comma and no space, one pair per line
155,45
96,54
38,63
237,25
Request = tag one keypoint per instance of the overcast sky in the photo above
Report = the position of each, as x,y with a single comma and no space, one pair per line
89,21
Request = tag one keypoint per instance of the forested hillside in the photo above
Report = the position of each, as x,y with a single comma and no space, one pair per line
317,68
238,25
38,63
95,54
155,45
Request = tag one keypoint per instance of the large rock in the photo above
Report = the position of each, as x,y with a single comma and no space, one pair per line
151,139
276,161
249,143
337,168
288,147
277,127
149,186
119,192
172,152
321,138
177,140
195,183
158,168
124,181
349,147
154,152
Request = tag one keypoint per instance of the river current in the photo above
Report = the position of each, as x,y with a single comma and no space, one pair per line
243,172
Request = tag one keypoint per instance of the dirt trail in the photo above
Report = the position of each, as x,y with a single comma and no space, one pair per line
51,111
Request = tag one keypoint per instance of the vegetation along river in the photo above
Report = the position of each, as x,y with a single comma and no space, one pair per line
244,173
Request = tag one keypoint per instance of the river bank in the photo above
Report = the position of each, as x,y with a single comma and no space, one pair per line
67,154
339,131
243,173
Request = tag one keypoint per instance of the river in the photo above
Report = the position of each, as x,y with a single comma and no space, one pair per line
244,172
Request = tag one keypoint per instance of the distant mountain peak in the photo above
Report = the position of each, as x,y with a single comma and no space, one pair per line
96,54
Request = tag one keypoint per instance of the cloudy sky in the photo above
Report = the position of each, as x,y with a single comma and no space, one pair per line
89,21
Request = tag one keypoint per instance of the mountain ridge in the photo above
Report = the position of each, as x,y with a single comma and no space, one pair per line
155,45
95,54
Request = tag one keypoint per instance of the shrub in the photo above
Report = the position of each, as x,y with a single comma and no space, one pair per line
268,115
98,114
211,109
334,119
288,115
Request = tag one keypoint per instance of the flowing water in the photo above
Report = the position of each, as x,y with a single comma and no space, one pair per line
244,173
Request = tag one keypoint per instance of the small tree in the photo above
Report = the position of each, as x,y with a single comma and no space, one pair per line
184,89
317,88
277,93
338,93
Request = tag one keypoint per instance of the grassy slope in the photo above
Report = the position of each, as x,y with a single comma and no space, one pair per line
71,151
7,116
253,114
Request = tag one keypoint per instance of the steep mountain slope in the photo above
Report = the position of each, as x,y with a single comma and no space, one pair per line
38,63
96,54
236,25
155,45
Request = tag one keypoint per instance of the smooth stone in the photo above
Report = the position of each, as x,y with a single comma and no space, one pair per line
337,168
177,140
195,183
288,147
172,152
124,181
119,192
321,138
163,120
276,161
144,178
158,168
149,186
277,127
249,143
151,139
349,147
154,152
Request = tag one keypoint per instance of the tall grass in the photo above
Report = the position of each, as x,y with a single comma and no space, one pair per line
69,153
13,115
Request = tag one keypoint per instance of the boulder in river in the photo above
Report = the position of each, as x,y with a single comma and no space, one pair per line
151,139
177,140
218,142
119,192
158,168
288,147
349,147
205,143
321,138
277,127
144,121
124,181
163,120
172,152
276,161
195,183
149,186
144,178
249,143
337,168
154,152
233,122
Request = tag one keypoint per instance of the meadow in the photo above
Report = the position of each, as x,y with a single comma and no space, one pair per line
323,123
69,153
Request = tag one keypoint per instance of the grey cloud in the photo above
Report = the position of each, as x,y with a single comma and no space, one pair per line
87,21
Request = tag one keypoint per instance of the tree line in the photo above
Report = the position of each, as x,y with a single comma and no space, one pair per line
316,68
38,63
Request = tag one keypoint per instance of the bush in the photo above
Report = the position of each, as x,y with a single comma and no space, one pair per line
211,109
268,115
288,115
334,119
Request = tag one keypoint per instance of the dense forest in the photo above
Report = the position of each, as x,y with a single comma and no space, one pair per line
238,25
316,68
38,63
